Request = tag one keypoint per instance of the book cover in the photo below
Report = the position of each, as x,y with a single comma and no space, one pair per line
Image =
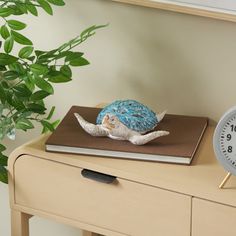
177,147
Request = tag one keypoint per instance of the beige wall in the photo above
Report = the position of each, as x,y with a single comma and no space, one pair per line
182,63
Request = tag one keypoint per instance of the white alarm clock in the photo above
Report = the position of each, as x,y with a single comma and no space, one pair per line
224,142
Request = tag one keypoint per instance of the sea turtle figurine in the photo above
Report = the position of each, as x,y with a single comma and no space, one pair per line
125,120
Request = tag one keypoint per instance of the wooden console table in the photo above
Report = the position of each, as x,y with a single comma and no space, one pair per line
145,199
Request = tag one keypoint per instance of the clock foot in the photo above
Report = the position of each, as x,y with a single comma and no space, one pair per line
225,180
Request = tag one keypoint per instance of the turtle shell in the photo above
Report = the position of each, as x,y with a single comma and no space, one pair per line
132,114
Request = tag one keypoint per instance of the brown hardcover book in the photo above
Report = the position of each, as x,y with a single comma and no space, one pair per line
177,147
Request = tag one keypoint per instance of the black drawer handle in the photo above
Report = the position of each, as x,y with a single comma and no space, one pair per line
97,176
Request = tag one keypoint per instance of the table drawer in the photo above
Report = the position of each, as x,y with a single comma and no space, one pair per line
122,206
213,219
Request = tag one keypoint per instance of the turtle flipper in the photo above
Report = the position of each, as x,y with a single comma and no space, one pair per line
143,139
94,130
160,116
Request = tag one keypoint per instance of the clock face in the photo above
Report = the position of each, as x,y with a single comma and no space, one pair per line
224,141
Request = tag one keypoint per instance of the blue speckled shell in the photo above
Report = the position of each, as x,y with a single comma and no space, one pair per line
132,114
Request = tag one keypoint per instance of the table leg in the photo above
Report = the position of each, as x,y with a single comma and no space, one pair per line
19,223
87,233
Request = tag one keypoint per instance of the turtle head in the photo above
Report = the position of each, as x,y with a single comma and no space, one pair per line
110,122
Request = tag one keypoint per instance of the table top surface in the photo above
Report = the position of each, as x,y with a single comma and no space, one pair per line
200,179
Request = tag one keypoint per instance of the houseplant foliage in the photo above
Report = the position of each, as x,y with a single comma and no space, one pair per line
27,76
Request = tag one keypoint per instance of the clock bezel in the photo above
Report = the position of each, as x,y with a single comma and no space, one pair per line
216,140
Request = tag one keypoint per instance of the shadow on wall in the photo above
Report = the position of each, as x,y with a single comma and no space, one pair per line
165,84
154,68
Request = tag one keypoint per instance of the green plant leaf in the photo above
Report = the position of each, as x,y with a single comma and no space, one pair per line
5,85
43,84
16,25
9,96
62,54
16,66
47,125
56,123
81,61
8,44
38,53
88,30
25,114
3,68
4,32
66,70
51,113
41,103
39,95
1,111
46,6
36,108
17,103
31,8
21,39
73,56
16,10
39,69
57,2
52,52
2,133
2,94
24,124
91,29
3,160
6,59
2,147
31,58
20,8
3,175
25,52
21,90
59,78
63,46
29,82
45,56
5,12
10,75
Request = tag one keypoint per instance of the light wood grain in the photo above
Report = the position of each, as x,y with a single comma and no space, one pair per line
200,179
183,9
210,218
19,223
144,191
124,207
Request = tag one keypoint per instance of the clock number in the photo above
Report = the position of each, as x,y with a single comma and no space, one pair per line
233,128
230,149
228,137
